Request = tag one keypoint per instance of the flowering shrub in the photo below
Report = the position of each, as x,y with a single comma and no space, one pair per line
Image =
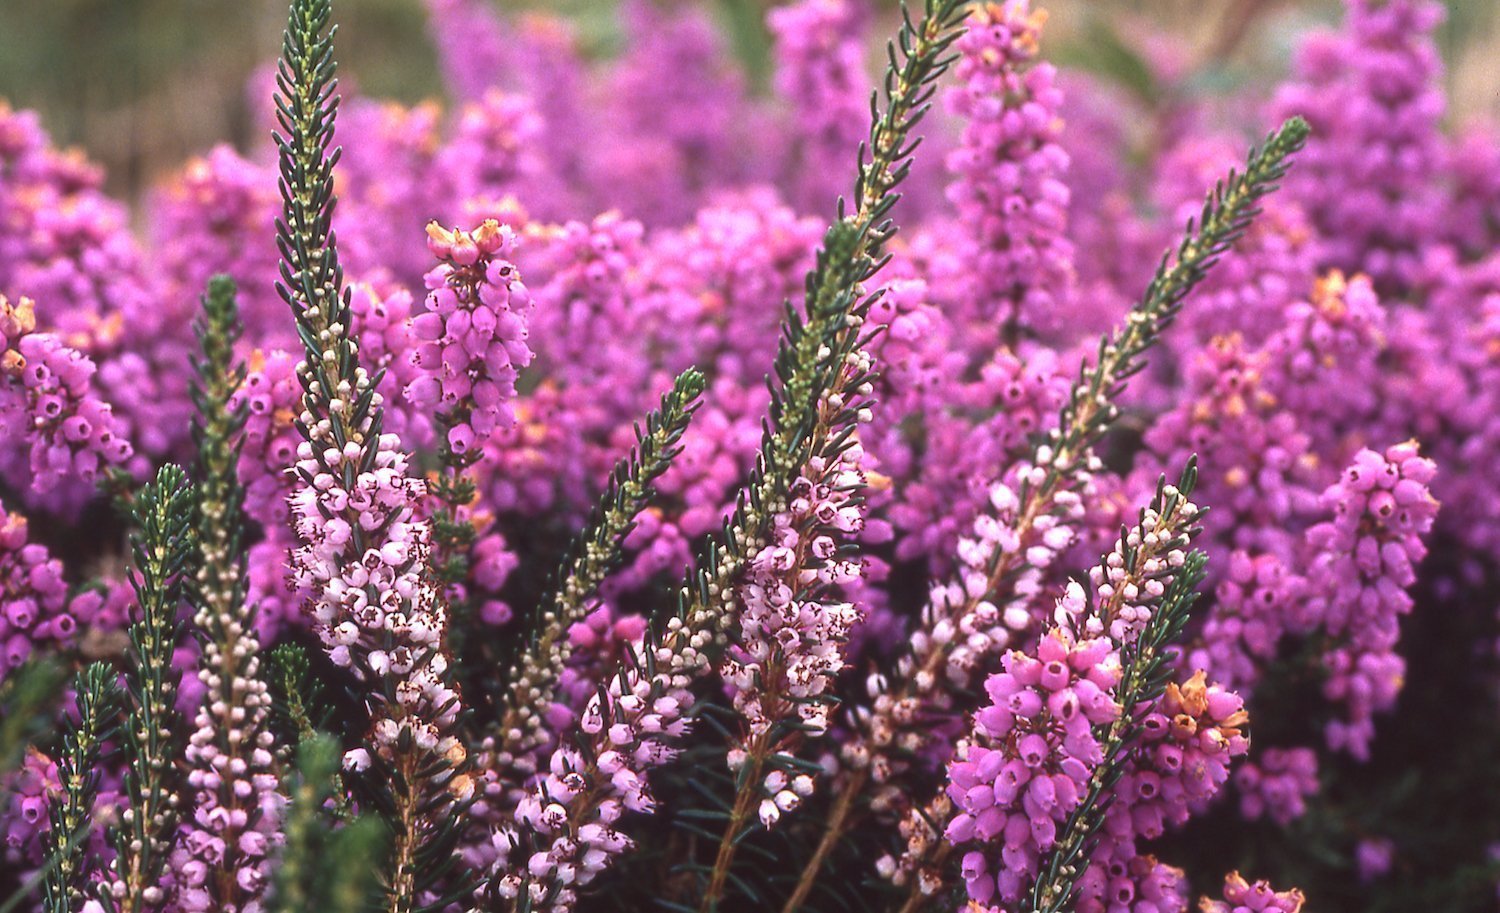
1004,563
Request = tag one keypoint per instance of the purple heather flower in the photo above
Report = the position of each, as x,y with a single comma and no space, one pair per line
795,620
472,340
1008,176
57,431
1276,785
1240,896
1026,765
1372,94
820,73
1363,561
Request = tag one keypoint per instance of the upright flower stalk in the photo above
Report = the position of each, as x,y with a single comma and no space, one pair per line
1008,175
69,879
532,687
789,649
364,555
223,856
1025,529
566,830
472,343
165,555
1101,634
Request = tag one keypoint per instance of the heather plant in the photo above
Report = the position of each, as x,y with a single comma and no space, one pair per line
593,502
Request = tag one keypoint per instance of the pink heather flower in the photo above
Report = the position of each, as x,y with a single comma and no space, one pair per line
1127,595
1026,764
1277,784
1374,857
968,430
820,72
1373,96
720,282
221,860
34,612
1363,562
389,187
963,624
493,150
1324,353
1367,554
1008,175
471,44
56,428
218,215
794,620
675,125
572,812
1142,884
472,338
1242,897
373,603
272,398
25,796
588,307
1189,738
1262,480
1259,600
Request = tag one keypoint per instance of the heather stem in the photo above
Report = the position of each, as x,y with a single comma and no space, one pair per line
71,813
533,681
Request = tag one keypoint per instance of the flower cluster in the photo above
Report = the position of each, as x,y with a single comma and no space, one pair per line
1277,786
34,609
1366,558
570,816
1009,188
896,647
1025,767
794,623
473,335
820,72
374,607
55,424
1240,896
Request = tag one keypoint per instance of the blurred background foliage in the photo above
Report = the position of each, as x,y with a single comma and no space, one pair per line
143,84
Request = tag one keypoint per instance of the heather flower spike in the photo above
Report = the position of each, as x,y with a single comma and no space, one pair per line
472,343
166,554
69,878
532,687
567,829
1044,724
1152,555
376,604
892,578
222,857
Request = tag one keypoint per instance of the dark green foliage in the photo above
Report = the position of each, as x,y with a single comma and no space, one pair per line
28,700
69,865
165,549
297,702
322,868
312,278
